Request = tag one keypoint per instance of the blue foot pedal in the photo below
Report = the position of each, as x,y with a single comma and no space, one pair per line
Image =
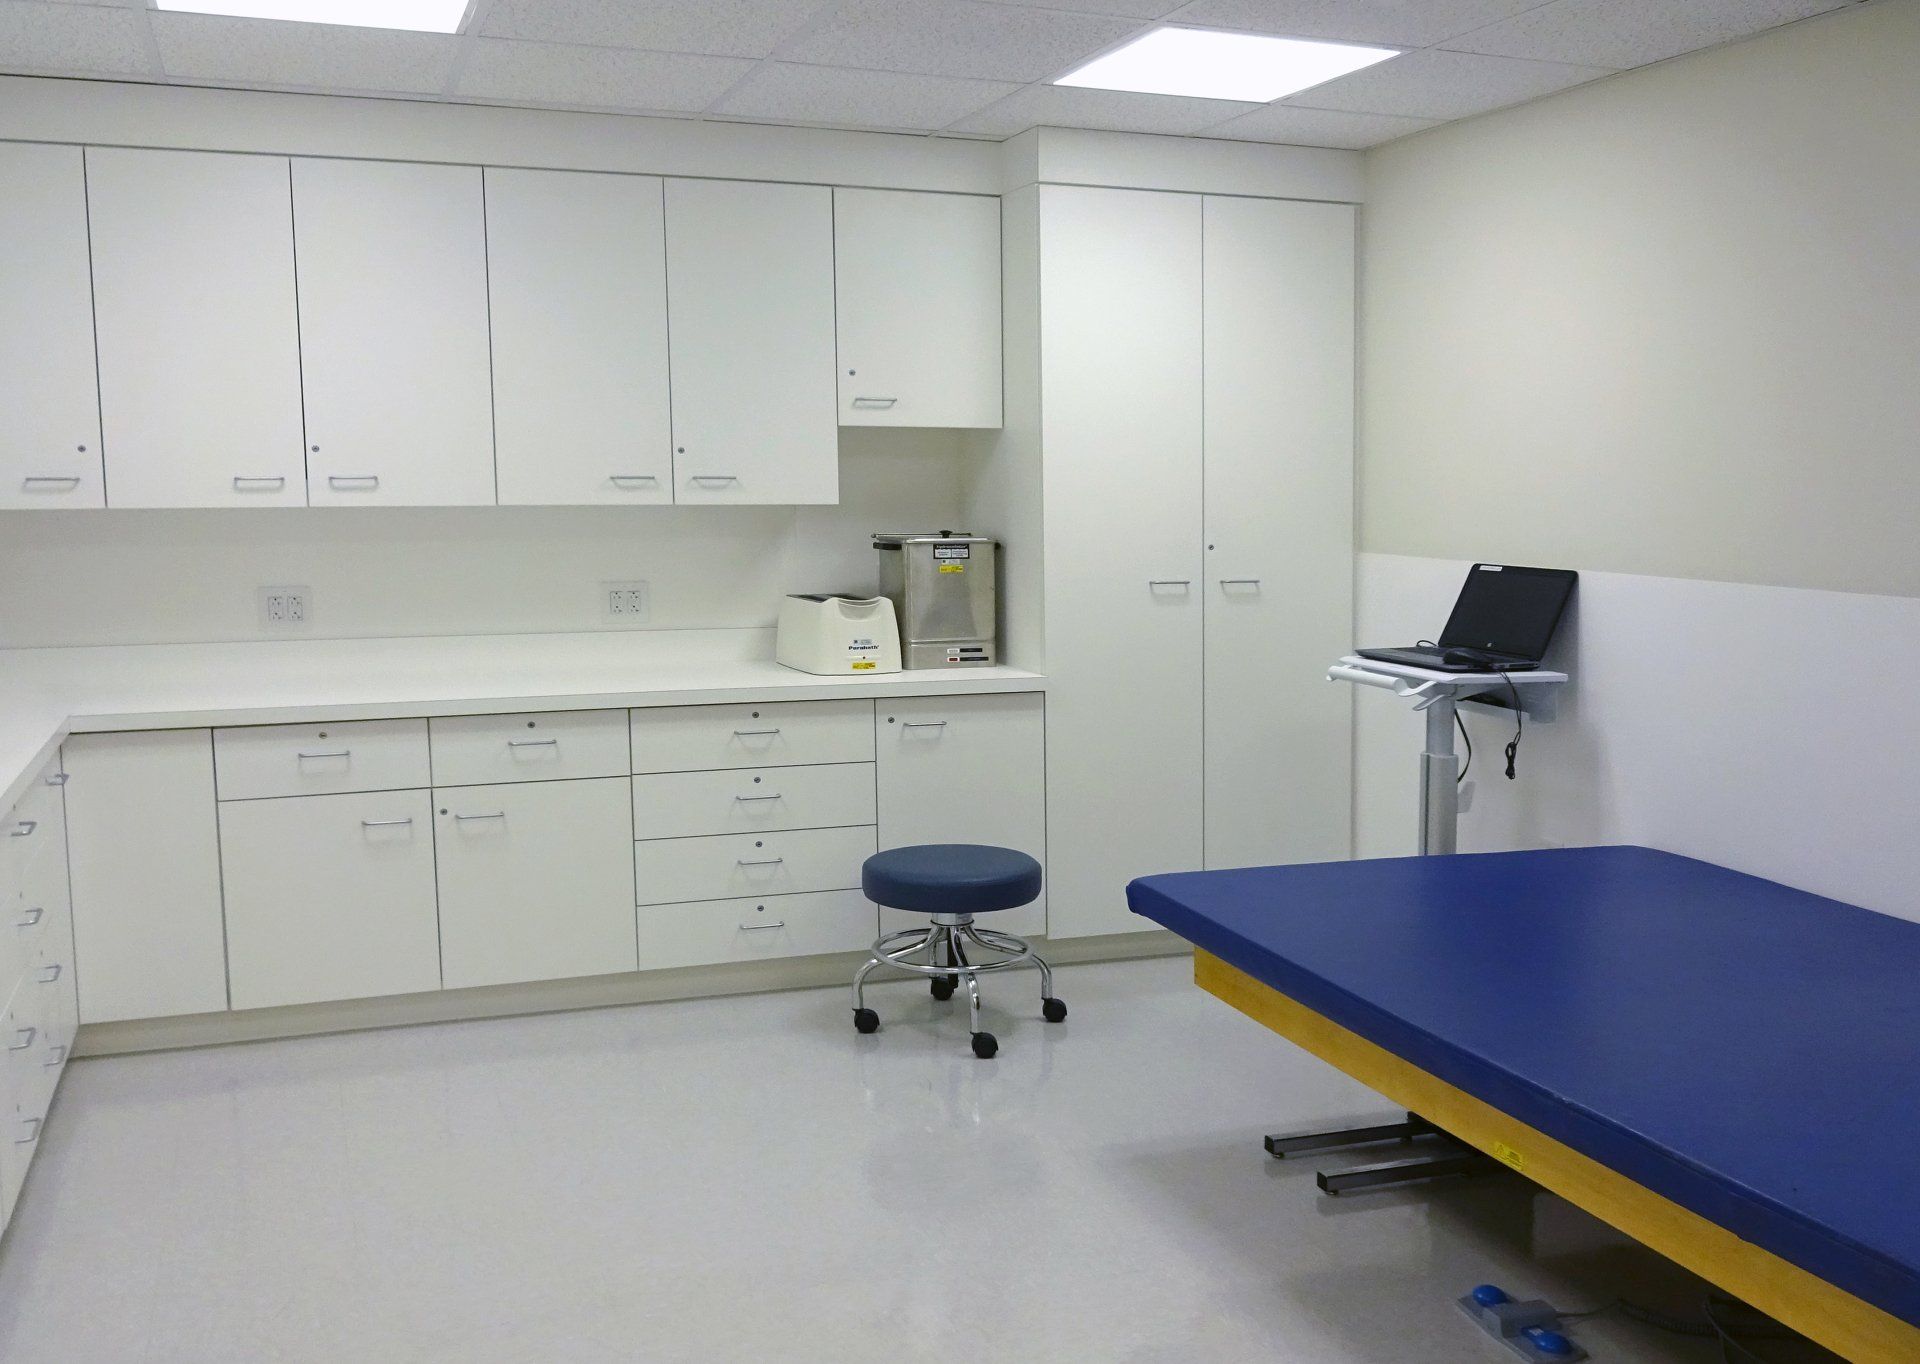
1530,1329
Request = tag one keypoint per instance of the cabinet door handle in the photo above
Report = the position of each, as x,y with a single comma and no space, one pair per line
716,478
753,733
875,404
32,917
25,828
24,1039
1170,582
759,861
533,743
57,779
923,724
353,483
622,480
32,1136
774,796
1239,582
762,928
59,1055
345,753
384,823
50,482
495,814
49,973
259,483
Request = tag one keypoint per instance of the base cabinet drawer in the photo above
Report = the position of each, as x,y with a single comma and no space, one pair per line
777,734
329,897
734,866
742,800
471,749
259,761
536,881
708,932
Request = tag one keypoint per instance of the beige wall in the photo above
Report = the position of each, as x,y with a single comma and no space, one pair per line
1666,324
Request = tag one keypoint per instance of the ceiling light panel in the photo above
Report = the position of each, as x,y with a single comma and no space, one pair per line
1213,64
417,16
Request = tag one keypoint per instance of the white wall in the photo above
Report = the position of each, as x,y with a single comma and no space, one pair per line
131,577
1769,729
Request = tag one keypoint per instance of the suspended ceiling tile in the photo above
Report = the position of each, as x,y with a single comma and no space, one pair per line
1064,106
1319,127
721,28
955,38
1626,33
790,92
72,40
1436,84
596,77
268,52
1394,23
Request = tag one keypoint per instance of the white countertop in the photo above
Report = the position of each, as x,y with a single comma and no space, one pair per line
46,694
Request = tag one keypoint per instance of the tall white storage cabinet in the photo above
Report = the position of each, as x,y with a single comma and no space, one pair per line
199,329
392,267
50,440
1279,530
917,277
1196,391
750,321
576,269
1120,336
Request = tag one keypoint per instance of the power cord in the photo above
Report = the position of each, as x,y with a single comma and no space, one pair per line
1712,1307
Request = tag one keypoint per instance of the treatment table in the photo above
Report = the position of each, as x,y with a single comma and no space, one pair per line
1722,1067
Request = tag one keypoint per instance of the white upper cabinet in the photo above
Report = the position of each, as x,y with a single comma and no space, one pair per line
199,328
50,438
1279,529
750,317
918,284
392,265
577,273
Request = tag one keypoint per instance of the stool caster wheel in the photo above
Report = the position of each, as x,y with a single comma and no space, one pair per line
985,1045
1053,1010
866,1020
943,986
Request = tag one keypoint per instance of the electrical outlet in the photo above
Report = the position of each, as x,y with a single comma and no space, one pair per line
625,603
286,608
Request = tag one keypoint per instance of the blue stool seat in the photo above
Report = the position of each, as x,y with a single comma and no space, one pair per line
951,878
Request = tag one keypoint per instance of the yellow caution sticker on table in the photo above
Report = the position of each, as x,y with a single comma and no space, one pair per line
1506,1155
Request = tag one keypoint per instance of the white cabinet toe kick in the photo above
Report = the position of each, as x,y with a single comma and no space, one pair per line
268,880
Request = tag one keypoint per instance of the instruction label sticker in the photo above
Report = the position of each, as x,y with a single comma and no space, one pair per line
1506,1155
953,551
863,663
953,568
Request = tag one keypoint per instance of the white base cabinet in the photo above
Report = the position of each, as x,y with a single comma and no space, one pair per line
536,881
763,928
329,897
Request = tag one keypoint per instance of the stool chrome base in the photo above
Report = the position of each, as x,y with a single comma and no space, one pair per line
943,952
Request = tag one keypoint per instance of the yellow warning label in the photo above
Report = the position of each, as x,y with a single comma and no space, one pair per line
1507,1155
953,568
862,664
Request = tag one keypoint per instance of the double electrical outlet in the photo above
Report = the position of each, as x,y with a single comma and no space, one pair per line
291,608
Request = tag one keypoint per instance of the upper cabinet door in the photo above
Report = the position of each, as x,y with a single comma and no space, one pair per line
392,264
918,282
199,329
750,321
577,273
1279,518
50,437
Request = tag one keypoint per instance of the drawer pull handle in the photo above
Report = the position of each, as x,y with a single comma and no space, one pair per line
1170,582
384,823
762,928
496,814
533,743
716,478
25,827
774,796
32,1136
759,861
353,483
50,973
1239,582
59,1055
753,733
24,1038
345,754
874,404
32,917
259,483
57,779
924,724
50,482
622,480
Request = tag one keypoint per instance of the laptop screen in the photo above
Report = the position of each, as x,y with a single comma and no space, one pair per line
1509,610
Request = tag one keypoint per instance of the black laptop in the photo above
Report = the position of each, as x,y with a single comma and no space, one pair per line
1502,622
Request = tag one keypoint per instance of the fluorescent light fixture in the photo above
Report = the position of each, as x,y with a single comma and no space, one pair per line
1213,64
418,16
